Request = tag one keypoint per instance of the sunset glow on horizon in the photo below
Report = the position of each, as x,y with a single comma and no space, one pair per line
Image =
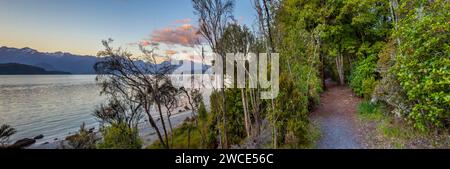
79,26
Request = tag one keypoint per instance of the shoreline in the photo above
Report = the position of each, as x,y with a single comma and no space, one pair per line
147,133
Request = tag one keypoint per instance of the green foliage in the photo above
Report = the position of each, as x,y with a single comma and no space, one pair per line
362,78
212,133
120,136
367,107
235,116
423,64
202,113
187,136
290,116
84,139
203,123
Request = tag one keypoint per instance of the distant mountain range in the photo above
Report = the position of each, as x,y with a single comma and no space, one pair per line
21,69
58,61
66,62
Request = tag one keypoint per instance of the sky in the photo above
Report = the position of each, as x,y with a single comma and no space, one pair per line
78,26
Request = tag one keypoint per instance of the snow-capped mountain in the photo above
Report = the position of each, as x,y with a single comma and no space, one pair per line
58,61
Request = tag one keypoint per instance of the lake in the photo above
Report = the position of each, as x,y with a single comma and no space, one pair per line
54,105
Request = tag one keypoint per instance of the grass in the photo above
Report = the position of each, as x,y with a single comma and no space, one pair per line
394,132
312,137
370,111
180,140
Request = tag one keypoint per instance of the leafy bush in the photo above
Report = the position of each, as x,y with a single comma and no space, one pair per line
291,114
423,63
84,139
120,136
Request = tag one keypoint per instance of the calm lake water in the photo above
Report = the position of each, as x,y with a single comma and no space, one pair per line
52,105
56,106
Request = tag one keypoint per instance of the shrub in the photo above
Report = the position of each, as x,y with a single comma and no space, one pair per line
84,139
368,86
423,63
120,136
362,78
184,137
291,114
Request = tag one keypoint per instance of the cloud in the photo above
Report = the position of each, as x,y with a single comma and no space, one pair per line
141,43
170,52
184,33
179,41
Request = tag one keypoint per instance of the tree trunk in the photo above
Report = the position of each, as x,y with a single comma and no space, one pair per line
246,115
255,112
275,137
153,124
224,115
269,31
171,129
158,104
393,7
322,64
340,68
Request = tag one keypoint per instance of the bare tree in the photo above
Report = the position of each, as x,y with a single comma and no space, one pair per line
214,16
120,111
169,96
137,81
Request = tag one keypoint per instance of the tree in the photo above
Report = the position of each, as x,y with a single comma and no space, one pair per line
138,82
300,48
238,40
119,111
213,17
169,98
195,99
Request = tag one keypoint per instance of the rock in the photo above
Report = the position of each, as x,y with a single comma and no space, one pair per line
45,143
55,139
40,136
22,143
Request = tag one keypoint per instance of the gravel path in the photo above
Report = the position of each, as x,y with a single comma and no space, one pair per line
336,116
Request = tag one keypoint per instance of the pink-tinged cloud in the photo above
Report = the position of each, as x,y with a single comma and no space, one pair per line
195,58
171,52
184,34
